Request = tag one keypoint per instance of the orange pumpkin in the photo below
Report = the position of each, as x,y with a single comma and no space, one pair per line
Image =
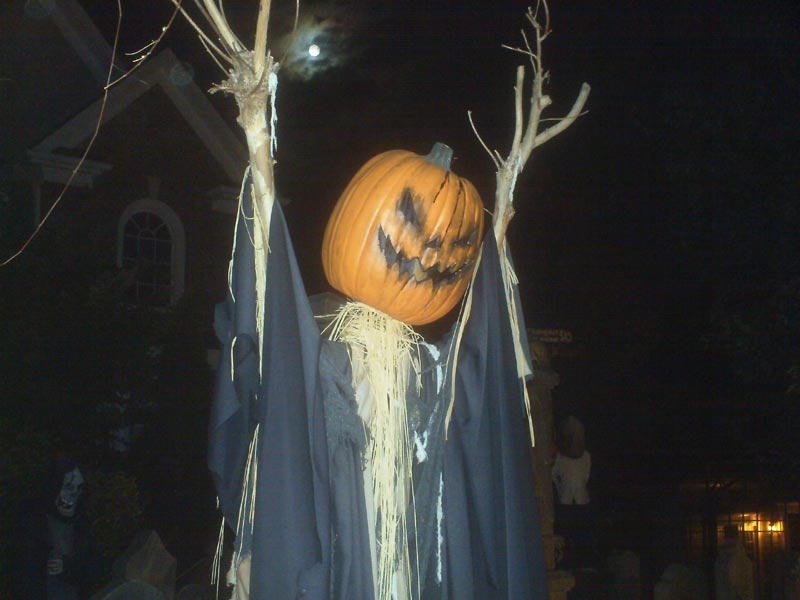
405,235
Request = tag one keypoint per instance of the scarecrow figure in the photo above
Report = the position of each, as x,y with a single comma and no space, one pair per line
363,461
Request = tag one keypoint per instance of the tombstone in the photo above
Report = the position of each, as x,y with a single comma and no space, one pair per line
780,564
193,591
147,560
791,584
625,570
680,582
130,590
733,569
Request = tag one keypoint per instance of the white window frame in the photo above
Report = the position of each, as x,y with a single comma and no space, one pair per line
177,235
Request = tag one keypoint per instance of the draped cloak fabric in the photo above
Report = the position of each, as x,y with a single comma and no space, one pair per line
473,525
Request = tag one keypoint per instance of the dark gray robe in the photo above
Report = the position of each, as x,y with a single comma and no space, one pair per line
310,537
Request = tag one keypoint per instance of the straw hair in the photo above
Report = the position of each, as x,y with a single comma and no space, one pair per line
510,282
385,350
257,226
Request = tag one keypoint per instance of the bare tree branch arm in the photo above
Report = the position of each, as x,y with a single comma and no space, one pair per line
221,26
207,41
495,159
518,88
260,48
568,120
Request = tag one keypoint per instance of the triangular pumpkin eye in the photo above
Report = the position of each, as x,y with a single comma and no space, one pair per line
405,206
468,240
435,243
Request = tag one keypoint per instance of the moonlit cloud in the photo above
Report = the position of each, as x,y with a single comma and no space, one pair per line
321,42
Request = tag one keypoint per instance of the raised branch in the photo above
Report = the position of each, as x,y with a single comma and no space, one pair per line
527,137
527,134
253,81
89,146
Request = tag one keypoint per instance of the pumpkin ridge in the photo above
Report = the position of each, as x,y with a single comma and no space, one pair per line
449,221
438,312
338,268
459,195
343,207
366,245
440,216
442,251
441,187
390,243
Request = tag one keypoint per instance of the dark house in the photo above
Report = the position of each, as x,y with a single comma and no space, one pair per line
106,317
163,168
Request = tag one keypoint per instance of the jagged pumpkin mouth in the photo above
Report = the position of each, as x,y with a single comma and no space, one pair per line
413,267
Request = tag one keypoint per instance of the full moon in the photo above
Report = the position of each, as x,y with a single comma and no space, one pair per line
313,50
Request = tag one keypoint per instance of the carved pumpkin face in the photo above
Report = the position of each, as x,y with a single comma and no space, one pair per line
405,235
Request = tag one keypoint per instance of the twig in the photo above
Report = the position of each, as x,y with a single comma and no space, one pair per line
260,47
252,80
515,49
296,15
527,136
480,139
531,55
293,35
139,60
517,111
82,159
217,20
207,41
566,121
212,55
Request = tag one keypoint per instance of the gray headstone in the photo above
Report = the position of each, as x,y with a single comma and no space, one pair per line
131,590
626,576
733,572
193,591
147,560
681,582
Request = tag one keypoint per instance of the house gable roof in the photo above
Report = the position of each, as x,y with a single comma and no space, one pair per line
159,70
47,70
54,62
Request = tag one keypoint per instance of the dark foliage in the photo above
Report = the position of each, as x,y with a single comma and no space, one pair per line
79,364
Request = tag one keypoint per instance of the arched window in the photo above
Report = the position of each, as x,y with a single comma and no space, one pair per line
151,246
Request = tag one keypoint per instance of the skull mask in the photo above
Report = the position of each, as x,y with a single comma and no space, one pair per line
68,496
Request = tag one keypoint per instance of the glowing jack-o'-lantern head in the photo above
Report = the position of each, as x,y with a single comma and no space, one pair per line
405,235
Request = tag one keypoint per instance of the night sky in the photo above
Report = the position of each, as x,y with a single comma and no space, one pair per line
661,229
637,229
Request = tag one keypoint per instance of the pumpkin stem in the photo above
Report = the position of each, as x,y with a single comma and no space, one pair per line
440,155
